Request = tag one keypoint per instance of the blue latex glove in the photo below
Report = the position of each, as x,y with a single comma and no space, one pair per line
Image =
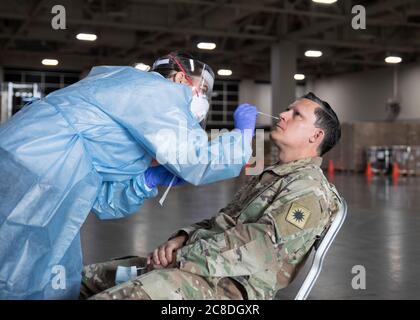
245,117
160,176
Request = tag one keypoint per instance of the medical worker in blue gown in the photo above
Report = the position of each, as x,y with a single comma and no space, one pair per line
89,147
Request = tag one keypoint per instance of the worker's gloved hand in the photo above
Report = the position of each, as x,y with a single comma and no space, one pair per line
160,176
245,117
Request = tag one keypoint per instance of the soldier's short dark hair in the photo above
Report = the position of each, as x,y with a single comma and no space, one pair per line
327,120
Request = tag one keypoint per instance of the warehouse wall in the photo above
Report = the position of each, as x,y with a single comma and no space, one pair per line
258,94
356,97
363,96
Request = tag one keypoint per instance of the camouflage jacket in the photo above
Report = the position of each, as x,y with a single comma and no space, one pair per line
263,235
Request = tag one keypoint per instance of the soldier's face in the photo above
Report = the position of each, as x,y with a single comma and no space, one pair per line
296,127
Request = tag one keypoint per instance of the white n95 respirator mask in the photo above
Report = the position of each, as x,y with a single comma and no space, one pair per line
199,107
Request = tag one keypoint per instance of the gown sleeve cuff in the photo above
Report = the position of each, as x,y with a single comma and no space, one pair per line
144,188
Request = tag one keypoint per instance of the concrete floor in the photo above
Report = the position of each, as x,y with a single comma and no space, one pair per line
380,233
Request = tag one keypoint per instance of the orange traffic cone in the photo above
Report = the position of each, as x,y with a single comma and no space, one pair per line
368,170
330,168
395,170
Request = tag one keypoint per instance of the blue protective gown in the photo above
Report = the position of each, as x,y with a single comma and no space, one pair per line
86,147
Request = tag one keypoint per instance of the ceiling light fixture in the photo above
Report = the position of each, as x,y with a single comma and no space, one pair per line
142,66
49,62
313,53
324,1
393,59
224,72
86,36
206,45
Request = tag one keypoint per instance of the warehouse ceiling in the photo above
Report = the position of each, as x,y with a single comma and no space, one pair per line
131,31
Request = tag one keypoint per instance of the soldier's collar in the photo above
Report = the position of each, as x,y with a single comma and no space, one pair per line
286,168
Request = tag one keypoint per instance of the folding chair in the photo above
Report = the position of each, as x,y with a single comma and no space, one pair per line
321,247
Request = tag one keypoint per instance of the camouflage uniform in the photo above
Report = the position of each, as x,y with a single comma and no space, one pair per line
253,247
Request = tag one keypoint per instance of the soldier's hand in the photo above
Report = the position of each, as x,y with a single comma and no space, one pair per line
164,255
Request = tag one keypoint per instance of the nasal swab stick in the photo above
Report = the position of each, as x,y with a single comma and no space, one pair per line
268,115
166,192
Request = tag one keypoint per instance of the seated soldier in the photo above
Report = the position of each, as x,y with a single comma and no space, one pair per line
255,245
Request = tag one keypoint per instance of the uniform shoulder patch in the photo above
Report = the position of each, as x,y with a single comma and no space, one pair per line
298,215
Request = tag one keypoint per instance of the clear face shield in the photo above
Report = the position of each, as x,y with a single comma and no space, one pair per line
200,78
202,93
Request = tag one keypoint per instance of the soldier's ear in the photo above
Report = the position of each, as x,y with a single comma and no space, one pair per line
317,136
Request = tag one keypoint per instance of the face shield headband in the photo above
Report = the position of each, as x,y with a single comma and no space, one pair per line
198,75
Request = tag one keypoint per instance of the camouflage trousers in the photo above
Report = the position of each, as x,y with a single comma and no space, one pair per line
98,282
